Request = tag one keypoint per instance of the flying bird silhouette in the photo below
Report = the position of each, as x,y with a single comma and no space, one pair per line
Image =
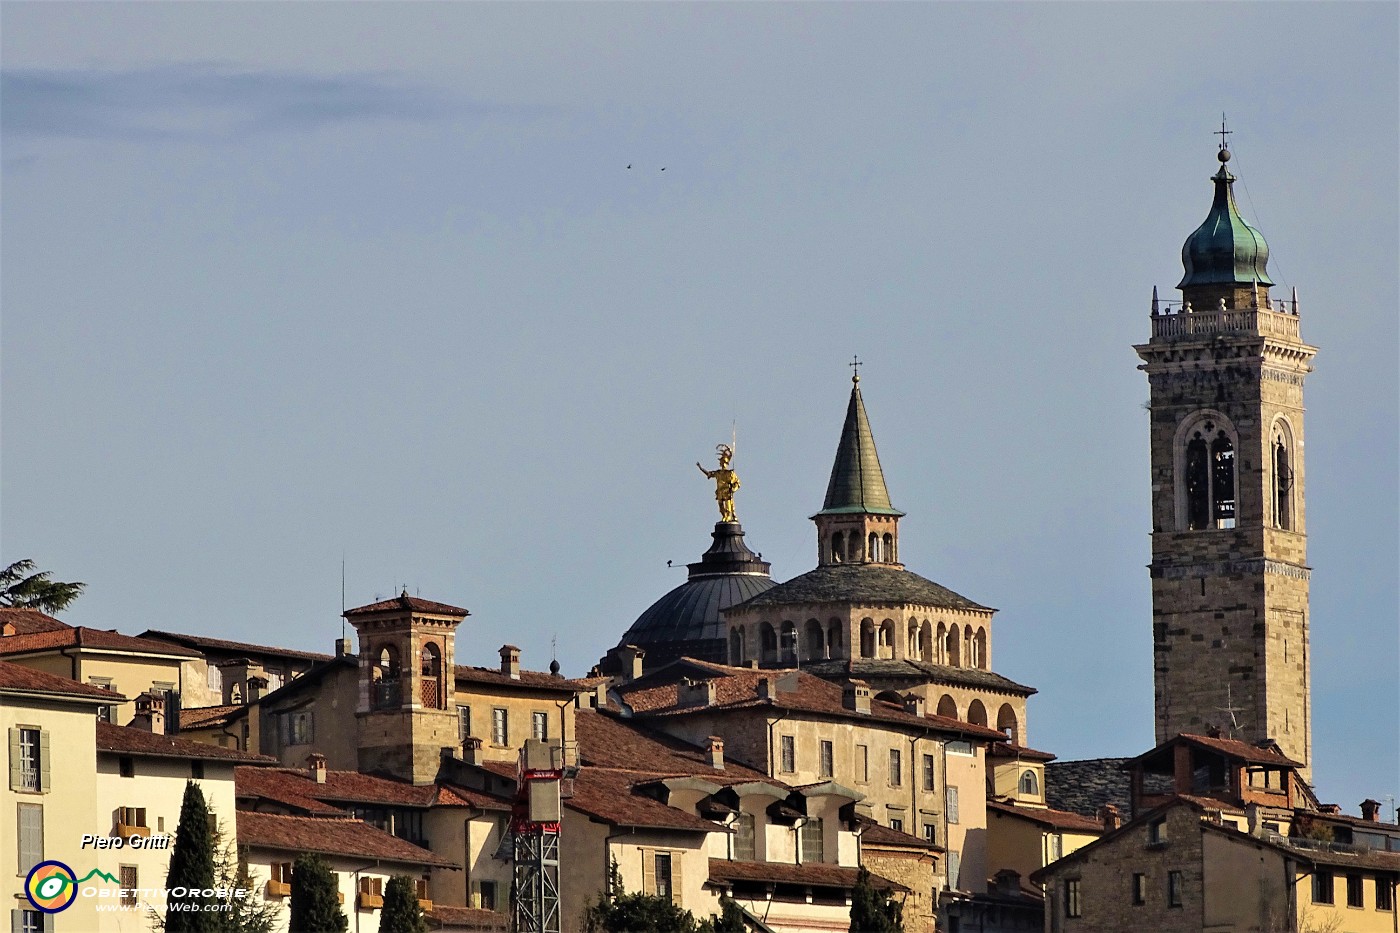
629,166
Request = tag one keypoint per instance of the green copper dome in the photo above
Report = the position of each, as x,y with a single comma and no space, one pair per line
857,484
1225,250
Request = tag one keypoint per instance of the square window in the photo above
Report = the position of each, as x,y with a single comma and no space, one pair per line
897,824
1157,832
930,833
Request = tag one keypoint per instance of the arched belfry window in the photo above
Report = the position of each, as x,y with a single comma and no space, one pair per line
430,685
888,553
873,548
838,549
1029,785
736,647
1282,487
1209,469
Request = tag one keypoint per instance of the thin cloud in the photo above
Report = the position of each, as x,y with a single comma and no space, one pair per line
208,103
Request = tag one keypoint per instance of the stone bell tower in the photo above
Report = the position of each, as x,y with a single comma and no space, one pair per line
1229,572
407,711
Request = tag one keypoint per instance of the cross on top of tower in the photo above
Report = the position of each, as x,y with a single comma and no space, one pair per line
855,365
1222,133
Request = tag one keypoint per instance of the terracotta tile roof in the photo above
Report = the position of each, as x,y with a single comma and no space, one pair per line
530,680
89,638
873,834
466,918
606,741
21,679
124,740
1211,803
1019,752
330,837
819,875
1061,820
204,643
403,602
1233,748
294,787
607,793
1317,853
658,694
204,717
29,621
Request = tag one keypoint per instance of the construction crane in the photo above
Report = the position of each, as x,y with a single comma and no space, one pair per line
544,765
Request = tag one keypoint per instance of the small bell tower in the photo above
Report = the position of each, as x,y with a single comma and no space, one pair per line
1225,365
407,711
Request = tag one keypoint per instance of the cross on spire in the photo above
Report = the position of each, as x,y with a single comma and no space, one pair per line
855,365
1222,133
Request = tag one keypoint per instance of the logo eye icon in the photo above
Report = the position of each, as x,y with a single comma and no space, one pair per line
51,887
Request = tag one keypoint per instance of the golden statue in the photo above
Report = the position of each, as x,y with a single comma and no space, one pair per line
726,483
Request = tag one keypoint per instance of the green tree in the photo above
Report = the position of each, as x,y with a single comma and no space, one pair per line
730,919
401,913
191,867
22,588
250,914
315,906
871,910
620,912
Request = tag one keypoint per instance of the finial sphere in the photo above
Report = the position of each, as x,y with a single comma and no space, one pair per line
1223,155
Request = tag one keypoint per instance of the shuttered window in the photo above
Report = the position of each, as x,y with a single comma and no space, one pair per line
29,921
29,759
813,841
828,760
950,795
31,836
744,838
661,874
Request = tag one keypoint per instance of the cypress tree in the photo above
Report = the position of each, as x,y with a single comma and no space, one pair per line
730,919
315,906
872,911
191,867
401,912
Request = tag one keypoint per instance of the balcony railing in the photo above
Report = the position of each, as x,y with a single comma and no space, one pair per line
1229,321
388,694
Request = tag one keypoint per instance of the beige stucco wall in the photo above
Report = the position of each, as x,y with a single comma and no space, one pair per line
467,837
260,861
968,836
520,705
130,675
69,806
332,703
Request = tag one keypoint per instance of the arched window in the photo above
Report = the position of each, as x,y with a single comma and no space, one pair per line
952,645
947,707
853,552
926,641
386,676
1007,723
873,547
977,713
1029,786
429,687
736,646
833,638
838,547
816,647
979,648
887,554
867,638
1209,474
913,649
967,656
768,639
789,644
1282,493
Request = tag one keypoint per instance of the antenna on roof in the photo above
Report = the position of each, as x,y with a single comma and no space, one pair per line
1232,709
342,594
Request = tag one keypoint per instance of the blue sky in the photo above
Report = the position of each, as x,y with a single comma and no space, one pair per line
290,283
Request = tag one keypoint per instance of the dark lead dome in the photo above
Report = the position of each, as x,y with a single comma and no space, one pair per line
686,621
1224,250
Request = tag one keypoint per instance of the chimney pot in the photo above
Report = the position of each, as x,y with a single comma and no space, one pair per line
471,750
914,705
716,749
855,696
510,661
1371,810
1110,817
316,767
344,648
632,658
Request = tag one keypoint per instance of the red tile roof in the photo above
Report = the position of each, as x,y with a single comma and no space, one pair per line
606,741
16,678
658,694
403,603
330,837
204,643
29,621
466,918
124,740
204,717
1233,748
1018,752
1061,820
295,789
607,794
532,680
873,834
89,638
819,875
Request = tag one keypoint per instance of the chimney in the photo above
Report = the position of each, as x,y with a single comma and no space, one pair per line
316,767
510,661
257,686
632,657
1110,817
150,714
914,706
1371,810
765,688
716,749
855,696
696,693
344,648
1330,809
471,750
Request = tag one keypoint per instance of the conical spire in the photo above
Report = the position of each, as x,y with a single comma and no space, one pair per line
857,484
1224,250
